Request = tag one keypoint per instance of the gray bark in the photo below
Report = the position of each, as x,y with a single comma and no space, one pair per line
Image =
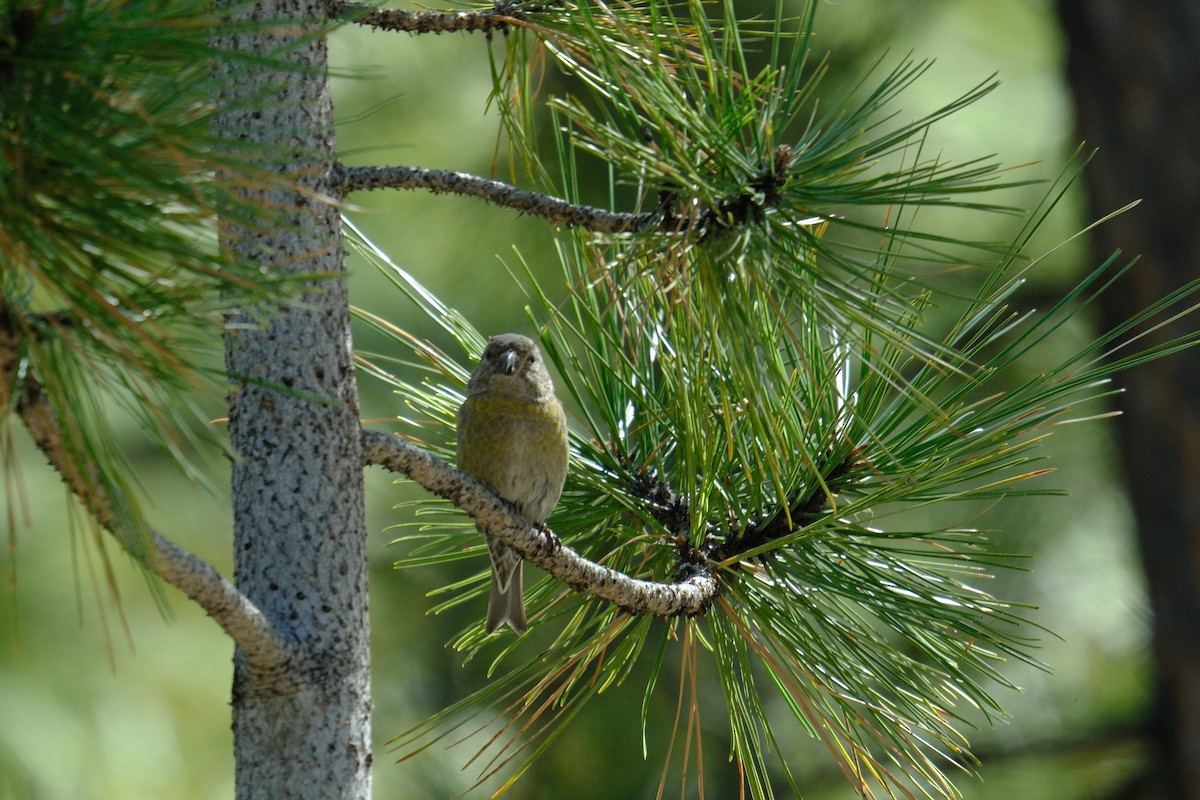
301,729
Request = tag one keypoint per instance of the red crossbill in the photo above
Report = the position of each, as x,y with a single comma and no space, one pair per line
512,438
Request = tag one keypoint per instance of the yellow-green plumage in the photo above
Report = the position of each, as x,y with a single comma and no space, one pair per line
512,437
515,447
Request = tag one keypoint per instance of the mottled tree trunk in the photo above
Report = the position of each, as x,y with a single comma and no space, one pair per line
303,730
1134,66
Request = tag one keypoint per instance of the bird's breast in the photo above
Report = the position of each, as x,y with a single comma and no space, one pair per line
516,447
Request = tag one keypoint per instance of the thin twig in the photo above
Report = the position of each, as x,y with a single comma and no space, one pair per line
554,209
688,598
263,646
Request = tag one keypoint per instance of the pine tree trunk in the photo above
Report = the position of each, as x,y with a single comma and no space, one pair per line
1134,67
302,731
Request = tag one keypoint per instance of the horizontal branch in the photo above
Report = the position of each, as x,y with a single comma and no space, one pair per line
263,646
394,19
688,598
554,209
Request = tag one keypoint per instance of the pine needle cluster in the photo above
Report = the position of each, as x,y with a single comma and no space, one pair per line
759,393
111,183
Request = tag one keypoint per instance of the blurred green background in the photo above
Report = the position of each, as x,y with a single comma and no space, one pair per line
101,702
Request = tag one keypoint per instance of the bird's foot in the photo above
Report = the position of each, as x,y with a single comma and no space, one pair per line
552,540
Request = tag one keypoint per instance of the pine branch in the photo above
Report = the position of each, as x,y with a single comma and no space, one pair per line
501,17
800,512
734,212
690,597
554,209
263,646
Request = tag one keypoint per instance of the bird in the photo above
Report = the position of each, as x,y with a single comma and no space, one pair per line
512,438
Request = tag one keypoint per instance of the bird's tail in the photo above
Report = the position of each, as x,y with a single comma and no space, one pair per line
507,601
